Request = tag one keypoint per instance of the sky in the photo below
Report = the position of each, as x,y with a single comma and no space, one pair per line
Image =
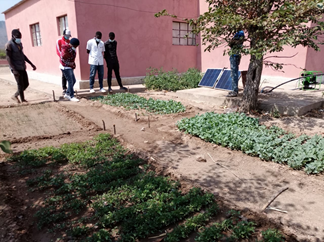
4,5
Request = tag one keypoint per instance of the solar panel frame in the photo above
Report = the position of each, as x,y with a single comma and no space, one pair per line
210,78
225,81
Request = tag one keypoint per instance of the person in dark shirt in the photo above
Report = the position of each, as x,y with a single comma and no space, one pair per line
17,62
236,45
112,61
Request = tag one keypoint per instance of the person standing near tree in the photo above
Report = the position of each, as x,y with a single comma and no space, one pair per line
236,45
112,61
68,54
96,49
17,62
65,40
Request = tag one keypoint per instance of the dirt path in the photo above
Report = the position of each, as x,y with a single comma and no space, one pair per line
241,180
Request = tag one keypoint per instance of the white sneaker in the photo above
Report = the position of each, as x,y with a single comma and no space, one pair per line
67,96
102,90
92,91
74,99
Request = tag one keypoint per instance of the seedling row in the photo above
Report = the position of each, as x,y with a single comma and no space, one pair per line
133,101
240,132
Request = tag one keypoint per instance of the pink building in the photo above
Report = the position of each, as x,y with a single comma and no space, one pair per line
143,40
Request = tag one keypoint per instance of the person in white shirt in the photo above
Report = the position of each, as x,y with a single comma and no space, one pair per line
96,49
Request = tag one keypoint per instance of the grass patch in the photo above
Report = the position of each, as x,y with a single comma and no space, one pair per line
172,81
132,101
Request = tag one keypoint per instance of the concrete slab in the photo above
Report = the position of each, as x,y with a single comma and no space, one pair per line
284,100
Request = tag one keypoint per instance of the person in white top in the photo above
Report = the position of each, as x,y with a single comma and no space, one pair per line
96,49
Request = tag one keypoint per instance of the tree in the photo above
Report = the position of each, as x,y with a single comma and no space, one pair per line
269,25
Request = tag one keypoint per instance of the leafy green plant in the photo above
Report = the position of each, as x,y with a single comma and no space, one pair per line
172,81
132,101
240,132
110,197
243,230
5,146
272,235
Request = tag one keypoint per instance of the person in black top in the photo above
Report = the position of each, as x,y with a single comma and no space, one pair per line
112,61
17,62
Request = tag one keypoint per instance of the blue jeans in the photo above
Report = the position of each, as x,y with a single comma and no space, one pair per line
69,75
93,70
235,62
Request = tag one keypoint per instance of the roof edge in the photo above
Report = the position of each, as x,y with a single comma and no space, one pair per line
14,6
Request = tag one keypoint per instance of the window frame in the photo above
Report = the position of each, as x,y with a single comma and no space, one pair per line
36,34
65,23
184,36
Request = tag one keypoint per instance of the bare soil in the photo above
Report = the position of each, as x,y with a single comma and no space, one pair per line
239,181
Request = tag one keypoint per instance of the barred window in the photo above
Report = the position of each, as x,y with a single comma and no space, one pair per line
62,24
182,35
36,35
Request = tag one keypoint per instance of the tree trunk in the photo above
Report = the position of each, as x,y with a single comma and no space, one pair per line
251,90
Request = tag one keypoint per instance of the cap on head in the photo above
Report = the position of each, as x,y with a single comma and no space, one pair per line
75,42
16,33
67,32
112,35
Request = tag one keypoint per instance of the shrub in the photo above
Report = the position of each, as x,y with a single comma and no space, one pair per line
171,81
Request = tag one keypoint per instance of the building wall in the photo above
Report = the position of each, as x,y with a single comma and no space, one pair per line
143,40
295,59
44,12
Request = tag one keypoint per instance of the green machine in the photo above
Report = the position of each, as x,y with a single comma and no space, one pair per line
310,80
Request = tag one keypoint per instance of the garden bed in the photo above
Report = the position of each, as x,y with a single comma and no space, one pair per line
97,190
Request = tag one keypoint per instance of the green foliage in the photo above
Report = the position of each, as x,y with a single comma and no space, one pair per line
191,225
172,81
272,235
239,132
111,198
132,101
5,146
2,54
270,25
243,230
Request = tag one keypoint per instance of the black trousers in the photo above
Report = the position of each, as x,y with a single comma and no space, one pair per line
113,66
22,84
64,81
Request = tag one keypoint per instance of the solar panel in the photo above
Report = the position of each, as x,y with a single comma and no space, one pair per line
210,78
225,81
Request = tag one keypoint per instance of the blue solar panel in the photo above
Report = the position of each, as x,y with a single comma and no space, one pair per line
210,78
225,82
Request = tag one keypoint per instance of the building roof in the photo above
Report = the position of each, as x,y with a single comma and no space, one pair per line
14,6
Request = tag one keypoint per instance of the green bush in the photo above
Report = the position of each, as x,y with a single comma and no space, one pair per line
2,54
172,80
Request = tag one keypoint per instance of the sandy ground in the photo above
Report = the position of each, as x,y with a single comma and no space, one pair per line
240,180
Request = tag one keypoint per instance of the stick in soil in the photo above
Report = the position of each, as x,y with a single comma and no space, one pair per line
276,209
149,122
53,96
273,198
104,125
114,129
224,167
135,117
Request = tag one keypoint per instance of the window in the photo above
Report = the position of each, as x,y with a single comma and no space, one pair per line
62,24
36,35
182,35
